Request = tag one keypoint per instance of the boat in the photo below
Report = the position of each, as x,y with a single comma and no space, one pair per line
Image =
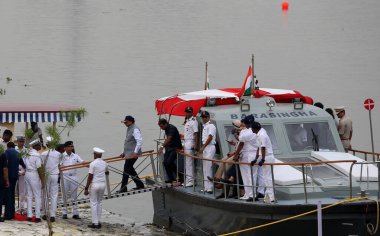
319,188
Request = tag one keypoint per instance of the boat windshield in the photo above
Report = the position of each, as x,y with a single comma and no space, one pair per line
310,136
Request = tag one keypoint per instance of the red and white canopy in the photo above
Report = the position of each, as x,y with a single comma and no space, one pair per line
175,105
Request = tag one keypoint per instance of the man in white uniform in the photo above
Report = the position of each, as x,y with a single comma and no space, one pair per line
264,154
97,180
70,178
191,143
33,176
245,152
207,150
23,151
51,159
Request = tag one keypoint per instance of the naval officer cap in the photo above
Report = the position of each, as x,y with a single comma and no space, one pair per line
339,109
20,138
189,109
236,123
98,150
49,139
34,142
205,114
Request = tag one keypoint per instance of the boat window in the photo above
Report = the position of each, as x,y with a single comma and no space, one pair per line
272,137
310,136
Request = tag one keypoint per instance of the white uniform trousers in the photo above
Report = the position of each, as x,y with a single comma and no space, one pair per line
265,176
208,153
246,173
96,197
189,161
33,184
71,188
22,192
52,190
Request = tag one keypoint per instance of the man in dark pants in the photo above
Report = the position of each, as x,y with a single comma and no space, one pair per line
12,156
171,144
132,149
4,183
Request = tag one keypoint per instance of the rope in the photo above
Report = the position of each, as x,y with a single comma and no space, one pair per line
302,214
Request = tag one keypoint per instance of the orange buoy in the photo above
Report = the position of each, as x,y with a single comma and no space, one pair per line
285,6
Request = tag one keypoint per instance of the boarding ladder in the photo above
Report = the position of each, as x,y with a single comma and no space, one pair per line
146,159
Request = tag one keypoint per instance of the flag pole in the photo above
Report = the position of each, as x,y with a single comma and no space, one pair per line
206,86
253,87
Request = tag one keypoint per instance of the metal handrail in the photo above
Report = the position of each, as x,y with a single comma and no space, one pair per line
302,164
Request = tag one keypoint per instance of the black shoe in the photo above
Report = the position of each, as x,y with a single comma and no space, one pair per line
94,226
168,181
260,195
8,218
76,217
137,188
38,220
52,219
1,219
29,219
64,216
100,225
44,217
249,199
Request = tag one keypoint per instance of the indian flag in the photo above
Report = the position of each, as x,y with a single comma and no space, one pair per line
247,86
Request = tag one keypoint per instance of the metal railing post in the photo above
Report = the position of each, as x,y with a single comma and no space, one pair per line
274,189
193,171
184,170
304,182
237,181
252,182
63,189
352,165
213,180
108,183
203,179
177,177
153,168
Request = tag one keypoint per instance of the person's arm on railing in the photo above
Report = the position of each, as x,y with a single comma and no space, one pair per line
167,140
257,157
263,152
238,150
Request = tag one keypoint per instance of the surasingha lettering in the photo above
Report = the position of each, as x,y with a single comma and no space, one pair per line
273,115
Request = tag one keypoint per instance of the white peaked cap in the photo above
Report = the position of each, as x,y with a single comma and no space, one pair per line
34,142
98,150
49,139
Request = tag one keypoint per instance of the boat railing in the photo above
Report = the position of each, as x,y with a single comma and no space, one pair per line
148,159
303,166
365,154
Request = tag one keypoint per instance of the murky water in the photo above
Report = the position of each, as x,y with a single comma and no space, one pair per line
116,57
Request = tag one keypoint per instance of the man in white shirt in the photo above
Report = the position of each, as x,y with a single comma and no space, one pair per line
97,179
207,150
264,154
245,152
51,159
33,176
191,143
132,149
70,177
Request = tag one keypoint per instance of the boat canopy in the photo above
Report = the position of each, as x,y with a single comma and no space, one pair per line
176,104
16,113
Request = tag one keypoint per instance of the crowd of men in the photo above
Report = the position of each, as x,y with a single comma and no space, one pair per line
35,170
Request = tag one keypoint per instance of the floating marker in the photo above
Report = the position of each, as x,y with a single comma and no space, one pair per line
285,6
